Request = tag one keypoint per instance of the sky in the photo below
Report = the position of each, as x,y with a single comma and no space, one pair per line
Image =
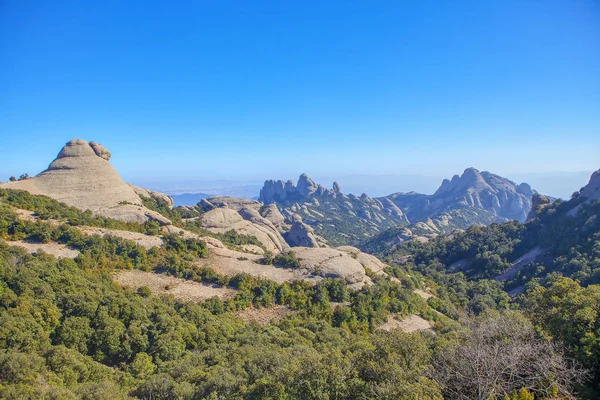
255,90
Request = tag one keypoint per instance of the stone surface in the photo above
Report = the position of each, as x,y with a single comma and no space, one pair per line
301,234
81,176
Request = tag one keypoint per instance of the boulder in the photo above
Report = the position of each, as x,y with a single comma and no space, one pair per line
301,234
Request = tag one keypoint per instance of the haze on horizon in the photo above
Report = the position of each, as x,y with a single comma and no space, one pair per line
248,92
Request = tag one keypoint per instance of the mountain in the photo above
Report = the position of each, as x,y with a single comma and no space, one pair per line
339,218
82,176
239,233
472,198
504,199
559,238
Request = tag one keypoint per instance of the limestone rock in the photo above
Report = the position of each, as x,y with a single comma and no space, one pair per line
272,213
301,234
233,203
331,263
337,188
221,220
151,194
591,191
82,177
100,150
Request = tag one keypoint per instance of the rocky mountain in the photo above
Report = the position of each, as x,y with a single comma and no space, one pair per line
504,199
558,238
82,176
333,215
471,198
239,233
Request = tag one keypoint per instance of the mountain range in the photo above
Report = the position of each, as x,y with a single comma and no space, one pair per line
471,198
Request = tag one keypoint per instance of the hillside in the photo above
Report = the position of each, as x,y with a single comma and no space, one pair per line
558,238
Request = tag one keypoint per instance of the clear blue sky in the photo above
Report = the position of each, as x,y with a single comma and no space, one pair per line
252,89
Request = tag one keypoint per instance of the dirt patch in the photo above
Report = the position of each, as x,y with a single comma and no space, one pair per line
57,250
423,294
25,215
143,240
181,289
265,316
412,323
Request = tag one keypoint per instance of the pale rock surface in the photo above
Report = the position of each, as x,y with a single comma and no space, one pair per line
332,263
301,234
221,220
82,177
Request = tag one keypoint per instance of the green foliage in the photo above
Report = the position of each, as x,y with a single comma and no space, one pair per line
287,259
46,208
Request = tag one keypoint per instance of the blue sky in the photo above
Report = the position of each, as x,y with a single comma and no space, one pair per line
257,90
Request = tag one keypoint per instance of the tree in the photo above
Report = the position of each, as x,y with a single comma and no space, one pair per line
500,353
12,179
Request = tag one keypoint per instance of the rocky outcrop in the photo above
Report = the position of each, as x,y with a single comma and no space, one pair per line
81,176
272,213
155,196
592,190
245,222
233,203
337,188
332,263
472,190
339,218
538,202
301,234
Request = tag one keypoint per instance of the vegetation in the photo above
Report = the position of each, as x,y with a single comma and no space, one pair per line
68,332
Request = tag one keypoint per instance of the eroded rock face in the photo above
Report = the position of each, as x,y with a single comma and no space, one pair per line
221,220
592,190
82,177
332,263
301,234
330,213
472,190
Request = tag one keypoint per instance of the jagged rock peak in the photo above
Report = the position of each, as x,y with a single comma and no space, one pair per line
280,191
336,187
591,191
306,186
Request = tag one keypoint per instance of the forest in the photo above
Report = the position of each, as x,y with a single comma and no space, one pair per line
68,331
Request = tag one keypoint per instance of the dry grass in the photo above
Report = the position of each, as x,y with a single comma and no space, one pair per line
57,250
179,288
412,323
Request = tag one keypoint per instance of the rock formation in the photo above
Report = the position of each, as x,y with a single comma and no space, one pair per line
81,176
340,218
592,190
538,201
301,234
472,190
